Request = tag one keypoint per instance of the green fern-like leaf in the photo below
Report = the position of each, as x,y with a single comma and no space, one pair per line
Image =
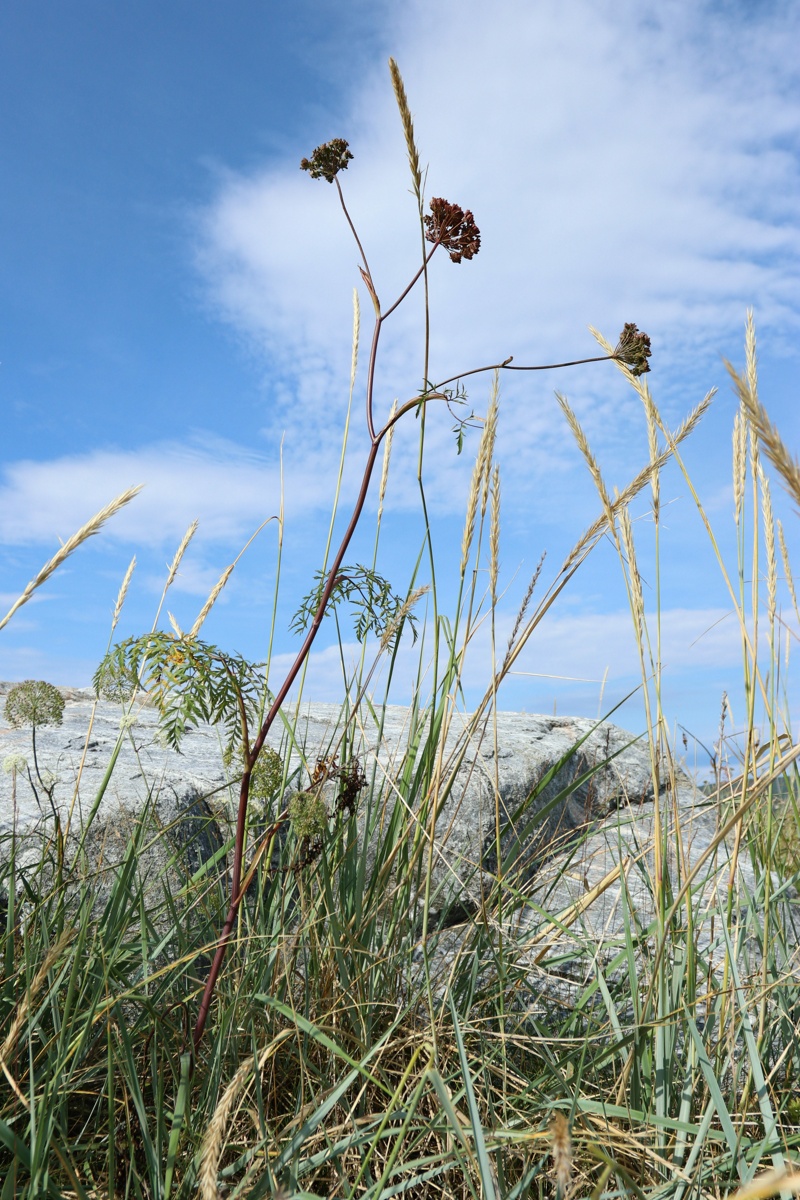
190,681
375,607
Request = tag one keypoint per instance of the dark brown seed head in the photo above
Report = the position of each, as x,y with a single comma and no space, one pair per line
453,228
633,349
327,160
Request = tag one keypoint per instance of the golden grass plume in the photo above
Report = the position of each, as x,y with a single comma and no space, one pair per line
92,526
408,125
745,385
561,1151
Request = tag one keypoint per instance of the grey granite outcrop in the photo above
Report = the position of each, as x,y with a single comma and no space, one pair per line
514,797
484,781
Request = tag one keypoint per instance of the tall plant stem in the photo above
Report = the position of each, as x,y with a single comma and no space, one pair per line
275,707
376,438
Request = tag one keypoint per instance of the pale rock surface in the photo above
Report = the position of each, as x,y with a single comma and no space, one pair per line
501,767
527,746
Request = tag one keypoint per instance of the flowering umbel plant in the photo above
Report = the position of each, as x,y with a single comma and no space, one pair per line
34,703
449,226
633,349
328,160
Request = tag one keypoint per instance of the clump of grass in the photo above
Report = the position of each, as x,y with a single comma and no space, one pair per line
364,1038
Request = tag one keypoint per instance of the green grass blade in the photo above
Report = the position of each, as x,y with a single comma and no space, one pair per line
484,1164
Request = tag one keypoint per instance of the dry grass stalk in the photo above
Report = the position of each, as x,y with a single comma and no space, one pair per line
591,461
356,335
214,1137
393,626
774,448
561,1150
408,125
387,451
472,508
488,440
179,553
641,387
86,531
687,425
523,608
175,626
769,540
652,443
480,475
639,481
51,958
777,1182
494,536
637,596
220,584
745,385
787,569
739,460
754,457
211,601
123,591
751,369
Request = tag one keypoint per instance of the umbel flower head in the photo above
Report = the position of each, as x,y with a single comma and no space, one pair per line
34,702
308,814
633,349
453,228
327,160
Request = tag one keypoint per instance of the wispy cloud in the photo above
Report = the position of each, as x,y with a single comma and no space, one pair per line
584,648
626,162
229,489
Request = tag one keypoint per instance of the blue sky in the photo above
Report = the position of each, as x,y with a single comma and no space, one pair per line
177,299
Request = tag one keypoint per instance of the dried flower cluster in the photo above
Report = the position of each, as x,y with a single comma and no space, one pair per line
633,349
328,160
349,776
451,227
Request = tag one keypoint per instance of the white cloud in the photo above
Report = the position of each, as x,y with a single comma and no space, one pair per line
626,162
586,647
229,489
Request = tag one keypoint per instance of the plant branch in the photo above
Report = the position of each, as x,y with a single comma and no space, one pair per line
506,366
415,279
354,232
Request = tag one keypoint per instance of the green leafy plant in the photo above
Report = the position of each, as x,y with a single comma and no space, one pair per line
369,594
189,680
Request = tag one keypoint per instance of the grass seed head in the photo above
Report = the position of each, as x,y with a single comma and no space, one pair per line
561,1150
